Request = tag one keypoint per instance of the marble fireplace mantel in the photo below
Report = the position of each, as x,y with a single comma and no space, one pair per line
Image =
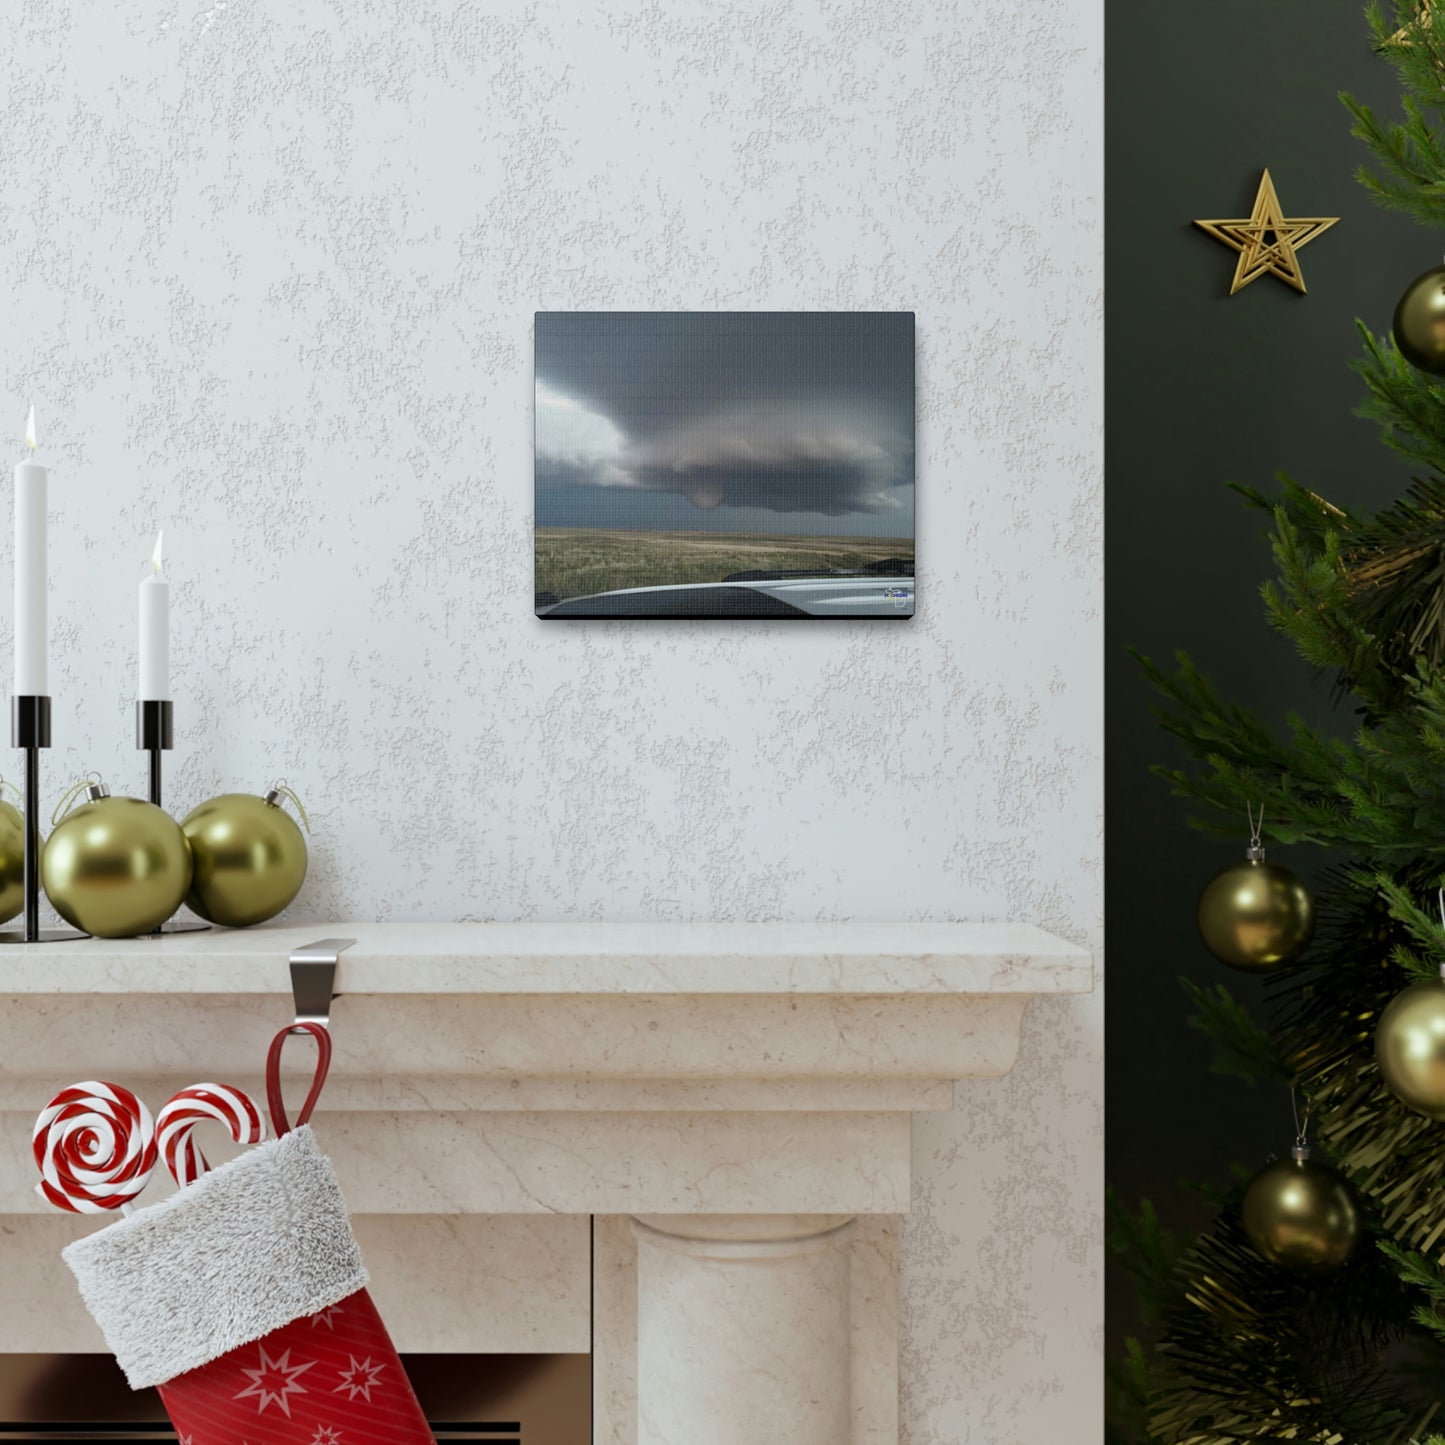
732,1101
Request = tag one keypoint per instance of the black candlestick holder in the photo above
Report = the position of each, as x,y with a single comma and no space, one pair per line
154,735
30,730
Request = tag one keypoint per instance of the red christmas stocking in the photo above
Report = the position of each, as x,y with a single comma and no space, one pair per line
243,1298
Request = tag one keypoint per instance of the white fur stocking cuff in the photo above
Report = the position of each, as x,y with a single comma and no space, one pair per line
249,1247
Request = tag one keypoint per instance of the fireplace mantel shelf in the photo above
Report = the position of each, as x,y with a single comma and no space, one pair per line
574,958
576,1045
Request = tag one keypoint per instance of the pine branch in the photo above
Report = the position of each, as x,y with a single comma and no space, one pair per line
1408,173
1150,1255
1377,795
1422,962
1145,1248
1391,579
1242,1049
1408,405
1315,604
1126,1398
1308,512
1428,1278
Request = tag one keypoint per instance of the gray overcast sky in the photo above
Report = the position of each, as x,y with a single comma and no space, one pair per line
786,422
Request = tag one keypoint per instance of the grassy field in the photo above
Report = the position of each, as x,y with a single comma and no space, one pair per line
576,561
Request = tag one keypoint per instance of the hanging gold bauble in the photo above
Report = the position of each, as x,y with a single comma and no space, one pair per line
250,857
1255,915
1419,325
12,860
115,867
1410,1047
1301,1214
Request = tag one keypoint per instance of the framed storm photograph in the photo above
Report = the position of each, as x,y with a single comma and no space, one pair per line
724,464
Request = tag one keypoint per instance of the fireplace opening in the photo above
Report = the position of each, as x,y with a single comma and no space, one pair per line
501,1399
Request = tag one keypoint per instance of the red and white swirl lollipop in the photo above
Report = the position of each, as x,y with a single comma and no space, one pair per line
95,1146
204,1104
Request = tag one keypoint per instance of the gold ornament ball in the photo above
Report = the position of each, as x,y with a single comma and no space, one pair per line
12,861
250,859
1420,322
116,867
1301,1215
1410,1047
1256,916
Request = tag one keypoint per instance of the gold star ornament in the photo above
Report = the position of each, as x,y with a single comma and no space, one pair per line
1268,242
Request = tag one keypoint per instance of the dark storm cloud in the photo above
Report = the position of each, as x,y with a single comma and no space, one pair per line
787,412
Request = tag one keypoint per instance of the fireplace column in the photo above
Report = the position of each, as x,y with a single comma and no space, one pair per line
743,1329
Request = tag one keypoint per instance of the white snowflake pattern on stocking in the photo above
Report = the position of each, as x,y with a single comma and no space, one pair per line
326,1435
273,1382
359,1378
327,1317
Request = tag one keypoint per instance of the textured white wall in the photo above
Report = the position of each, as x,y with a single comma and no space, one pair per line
269,274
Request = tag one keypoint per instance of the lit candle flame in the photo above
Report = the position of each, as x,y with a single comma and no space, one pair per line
30,428
156,555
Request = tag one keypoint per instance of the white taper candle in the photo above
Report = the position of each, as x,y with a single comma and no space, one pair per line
30,581
155,632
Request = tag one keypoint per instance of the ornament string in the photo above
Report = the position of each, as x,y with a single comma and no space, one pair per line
1440,899
1256,830
1301,1129
67,801
286,792
6,783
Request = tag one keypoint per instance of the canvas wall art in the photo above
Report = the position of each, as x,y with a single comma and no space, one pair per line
724,464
